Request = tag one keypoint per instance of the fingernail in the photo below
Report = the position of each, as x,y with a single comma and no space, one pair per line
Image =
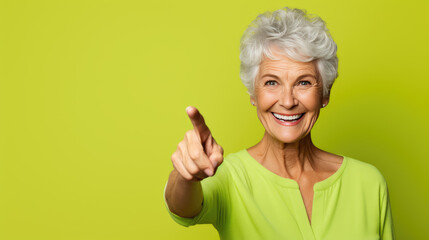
209,172
214,164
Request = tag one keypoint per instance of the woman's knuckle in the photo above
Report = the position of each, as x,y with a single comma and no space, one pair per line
181,145
217,155
188,134
193,171
190,167
220,160
194,154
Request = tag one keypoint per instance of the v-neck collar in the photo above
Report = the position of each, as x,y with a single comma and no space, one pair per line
308,229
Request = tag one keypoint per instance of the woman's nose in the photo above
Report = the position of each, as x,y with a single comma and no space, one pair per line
288,99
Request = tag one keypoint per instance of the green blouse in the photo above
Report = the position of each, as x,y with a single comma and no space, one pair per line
244,200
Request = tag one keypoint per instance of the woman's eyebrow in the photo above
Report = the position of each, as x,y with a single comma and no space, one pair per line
269,75
299,77
307,75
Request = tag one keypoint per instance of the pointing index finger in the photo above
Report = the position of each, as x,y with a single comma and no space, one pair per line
198,123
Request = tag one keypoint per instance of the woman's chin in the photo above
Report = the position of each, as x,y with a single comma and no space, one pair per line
289,138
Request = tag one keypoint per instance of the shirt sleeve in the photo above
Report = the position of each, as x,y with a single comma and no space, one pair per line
386,221
214,200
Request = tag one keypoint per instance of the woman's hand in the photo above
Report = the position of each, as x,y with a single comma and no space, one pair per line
197,155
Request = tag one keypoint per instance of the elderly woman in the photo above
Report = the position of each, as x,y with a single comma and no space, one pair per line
284,187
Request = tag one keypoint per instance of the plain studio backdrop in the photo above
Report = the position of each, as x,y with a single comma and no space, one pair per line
93,97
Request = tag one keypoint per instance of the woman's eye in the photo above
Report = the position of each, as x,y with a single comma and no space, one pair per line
271,83
304,83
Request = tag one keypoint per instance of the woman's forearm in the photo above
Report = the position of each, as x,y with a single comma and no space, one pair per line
183,197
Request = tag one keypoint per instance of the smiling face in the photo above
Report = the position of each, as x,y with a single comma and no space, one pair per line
288,97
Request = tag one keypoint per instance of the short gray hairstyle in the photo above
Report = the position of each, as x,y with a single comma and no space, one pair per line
303,38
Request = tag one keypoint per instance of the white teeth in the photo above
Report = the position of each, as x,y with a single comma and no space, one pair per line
289,118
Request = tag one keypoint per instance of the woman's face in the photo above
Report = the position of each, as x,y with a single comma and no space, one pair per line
288,97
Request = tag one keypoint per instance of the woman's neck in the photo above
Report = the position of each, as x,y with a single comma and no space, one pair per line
289,160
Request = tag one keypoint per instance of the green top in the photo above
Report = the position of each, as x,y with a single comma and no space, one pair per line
244,200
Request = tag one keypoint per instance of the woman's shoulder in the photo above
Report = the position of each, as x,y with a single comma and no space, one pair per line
358,169
233,162
238,163
238,159
237,155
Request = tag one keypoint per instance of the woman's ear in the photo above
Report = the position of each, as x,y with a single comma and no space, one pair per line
325,101
252,101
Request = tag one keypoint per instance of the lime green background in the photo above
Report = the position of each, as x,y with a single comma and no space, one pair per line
93,97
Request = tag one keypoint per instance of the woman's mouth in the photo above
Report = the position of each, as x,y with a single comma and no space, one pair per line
289,120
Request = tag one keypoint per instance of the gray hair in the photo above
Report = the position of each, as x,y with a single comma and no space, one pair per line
303,38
